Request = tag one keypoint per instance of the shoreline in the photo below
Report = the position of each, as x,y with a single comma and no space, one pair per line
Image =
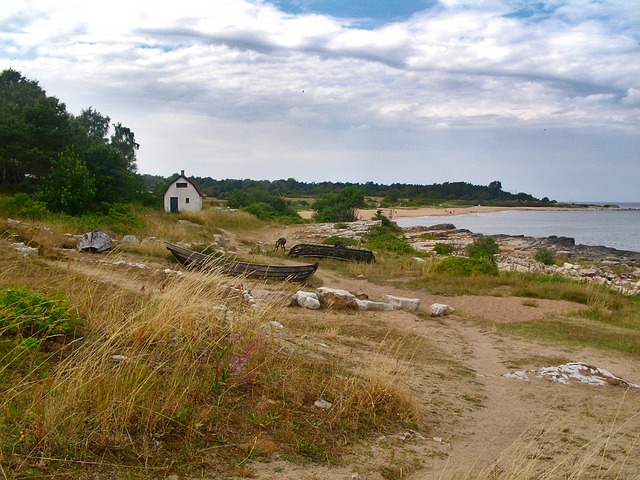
366,214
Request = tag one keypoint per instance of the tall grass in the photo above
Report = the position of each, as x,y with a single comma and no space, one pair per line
157,375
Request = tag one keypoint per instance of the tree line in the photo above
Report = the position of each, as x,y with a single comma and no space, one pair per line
74,164
392,194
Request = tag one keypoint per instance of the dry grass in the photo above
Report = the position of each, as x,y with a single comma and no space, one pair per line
157,375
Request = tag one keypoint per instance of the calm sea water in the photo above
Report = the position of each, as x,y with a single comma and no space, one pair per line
617,228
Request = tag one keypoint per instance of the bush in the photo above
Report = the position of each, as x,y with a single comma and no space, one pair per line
346,241
468,267
443,248
545,255
483,246
23,206
27,313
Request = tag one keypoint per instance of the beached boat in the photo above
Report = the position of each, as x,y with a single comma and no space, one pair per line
328,251
189,258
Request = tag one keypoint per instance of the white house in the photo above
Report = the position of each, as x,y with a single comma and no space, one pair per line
183,195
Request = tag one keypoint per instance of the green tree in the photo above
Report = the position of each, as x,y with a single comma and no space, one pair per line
339,207
34,128
70,187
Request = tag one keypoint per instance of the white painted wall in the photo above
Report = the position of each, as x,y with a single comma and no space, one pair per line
188,198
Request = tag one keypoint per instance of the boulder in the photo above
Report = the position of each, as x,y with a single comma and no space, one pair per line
409,304
130,239
307,300
440,309
336,298
95,241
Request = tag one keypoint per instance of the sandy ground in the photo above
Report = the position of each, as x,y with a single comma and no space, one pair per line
395,213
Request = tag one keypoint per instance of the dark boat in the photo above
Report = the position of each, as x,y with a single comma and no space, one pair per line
189,258
327,251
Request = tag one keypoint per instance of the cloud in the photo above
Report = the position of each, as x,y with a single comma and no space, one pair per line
242,87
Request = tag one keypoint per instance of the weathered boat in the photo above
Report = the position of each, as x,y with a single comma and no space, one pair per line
327,251
236,268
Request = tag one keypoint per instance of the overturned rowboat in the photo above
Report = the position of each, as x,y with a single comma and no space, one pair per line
328,251
236,268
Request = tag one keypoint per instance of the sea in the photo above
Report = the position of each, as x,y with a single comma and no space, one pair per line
610,227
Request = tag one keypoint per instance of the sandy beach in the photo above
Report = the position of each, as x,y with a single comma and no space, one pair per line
395,213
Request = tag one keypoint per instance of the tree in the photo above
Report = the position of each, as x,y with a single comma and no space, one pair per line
339,207
124,141
34,128
70,187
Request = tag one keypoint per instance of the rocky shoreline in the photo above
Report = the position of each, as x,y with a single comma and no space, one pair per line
619,269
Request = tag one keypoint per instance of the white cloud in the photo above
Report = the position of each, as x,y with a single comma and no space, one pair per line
238,83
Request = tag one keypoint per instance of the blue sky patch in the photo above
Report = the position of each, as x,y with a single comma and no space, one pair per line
369,11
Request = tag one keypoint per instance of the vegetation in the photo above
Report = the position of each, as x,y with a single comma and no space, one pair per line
339,207
443,248
264,205
390,195
73,164
545,255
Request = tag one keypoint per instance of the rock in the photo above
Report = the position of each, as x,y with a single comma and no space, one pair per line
306,300
336,298
323,404
409,304
440,309
130,239
375,306
95,241
22,249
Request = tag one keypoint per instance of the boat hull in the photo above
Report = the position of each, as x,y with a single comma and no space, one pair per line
327,251
292,273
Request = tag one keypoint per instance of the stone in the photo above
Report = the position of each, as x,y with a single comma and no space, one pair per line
440,309
307,300
375,306
323,404
403,303
95,241
336,298
130,239
22,249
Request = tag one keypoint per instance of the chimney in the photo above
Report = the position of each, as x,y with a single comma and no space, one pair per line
182,173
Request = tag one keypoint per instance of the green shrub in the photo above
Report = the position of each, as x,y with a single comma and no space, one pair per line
545,255
483,246
346,241
467,267
443,248
389,242
23,206
27,313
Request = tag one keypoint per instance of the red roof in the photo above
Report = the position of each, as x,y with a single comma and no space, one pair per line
195,185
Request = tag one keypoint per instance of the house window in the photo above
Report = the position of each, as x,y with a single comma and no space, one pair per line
181,185
187,200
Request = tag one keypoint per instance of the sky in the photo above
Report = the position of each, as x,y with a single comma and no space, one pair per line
541,96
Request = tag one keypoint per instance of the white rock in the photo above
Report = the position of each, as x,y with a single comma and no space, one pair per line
307,300
440,309
409,304
323,404
376,306
130,239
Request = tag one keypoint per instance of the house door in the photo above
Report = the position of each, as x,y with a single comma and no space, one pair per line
173,204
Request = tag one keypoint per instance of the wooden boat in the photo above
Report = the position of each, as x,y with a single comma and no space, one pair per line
328,251
189,258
